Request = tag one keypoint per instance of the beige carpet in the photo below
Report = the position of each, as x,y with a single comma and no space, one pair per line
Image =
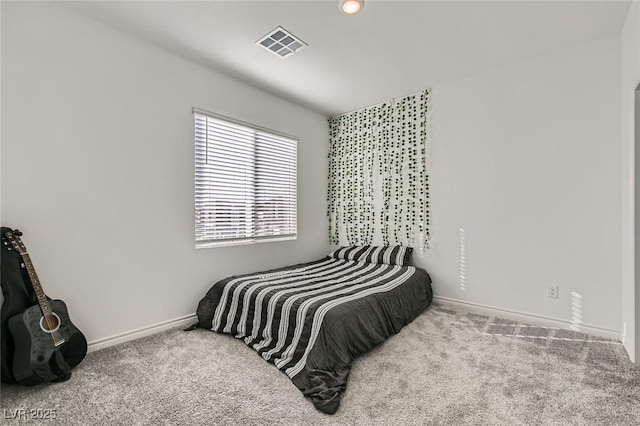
447,367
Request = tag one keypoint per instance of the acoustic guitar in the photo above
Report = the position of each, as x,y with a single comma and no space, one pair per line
47,344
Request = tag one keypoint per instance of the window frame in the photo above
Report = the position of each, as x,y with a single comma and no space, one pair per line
225,242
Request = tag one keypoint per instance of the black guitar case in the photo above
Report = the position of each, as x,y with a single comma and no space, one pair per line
18,295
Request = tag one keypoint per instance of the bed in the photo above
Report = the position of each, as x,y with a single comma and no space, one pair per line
313,319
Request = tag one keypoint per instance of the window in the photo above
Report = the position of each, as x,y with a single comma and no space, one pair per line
245,183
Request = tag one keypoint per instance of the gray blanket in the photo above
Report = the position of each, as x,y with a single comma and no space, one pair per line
312,320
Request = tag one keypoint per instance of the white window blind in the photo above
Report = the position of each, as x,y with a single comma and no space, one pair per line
245,183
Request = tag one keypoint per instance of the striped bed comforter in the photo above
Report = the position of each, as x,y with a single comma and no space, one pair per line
312,320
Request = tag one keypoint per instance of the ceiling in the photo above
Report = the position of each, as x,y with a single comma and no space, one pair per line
388,50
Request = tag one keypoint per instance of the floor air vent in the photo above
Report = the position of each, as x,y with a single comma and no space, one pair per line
281,42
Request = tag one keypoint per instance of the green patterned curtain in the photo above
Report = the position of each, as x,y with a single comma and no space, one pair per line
378,184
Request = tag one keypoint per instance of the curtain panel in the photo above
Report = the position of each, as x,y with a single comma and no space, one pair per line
378,183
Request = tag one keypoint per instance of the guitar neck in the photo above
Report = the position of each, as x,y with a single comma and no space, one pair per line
37,287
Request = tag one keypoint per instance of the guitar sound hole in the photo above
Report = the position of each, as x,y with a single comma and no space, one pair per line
50,323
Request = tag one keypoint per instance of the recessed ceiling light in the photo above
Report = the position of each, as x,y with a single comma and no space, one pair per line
351,7
281,42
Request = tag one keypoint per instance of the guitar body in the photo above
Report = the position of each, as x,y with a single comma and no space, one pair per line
37,359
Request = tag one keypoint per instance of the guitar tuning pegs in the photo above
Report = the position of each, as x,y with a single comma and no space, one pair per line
17,232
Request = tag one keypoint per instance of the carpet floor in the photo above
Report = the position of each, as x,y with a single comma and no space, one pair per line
446,367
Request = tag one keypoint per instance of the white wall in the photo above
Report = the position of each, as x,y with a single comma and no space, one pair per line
630,77
97,169
98,164
526,160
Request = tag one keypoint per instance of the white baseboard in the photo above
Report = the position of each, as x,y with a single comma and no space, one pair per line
105,342
529,318
468,306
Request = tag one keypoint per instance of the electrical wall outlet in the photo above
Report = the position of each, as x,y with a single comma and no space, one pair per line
553,291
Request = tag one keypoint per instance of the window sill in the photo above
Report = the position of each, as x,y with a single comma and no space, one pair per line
227,243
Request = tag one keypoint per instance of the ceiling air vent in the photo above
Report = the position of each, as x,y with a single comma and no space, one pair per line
281,42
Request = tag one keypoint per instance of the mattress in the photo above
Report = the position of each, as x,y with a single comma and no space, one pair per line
312,320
